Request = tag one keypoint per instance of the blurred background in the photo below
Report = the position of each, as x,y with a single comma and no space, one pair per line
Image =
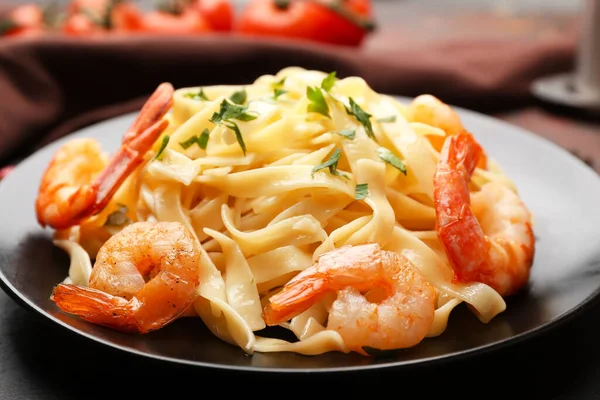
454,17
65,64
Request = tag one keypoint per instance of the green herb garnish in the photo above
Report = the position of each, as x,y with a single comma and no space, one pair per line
239,97
279,83
278,88
331,163
238,134
317,101
162,147
392,159
361,116
227,113
347,133
200,95
201,140
278,92
328,82
391,118
361,191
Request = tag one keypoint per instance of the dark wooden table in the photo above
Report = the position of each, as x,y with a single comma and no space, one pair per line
45,362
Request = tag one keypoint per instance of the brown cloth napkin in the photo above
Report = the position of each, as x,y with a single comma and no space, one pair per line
52,86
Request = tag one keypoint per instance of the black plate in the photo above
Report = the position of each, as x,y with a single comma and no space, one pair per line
561,191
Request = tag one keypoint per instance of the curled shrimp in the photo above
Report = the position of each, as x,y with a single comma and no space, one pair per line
144,277
488,236
430,110
80,181
396,312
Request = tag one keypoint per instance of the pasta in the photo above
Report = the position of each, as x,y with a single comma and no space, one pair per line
271,175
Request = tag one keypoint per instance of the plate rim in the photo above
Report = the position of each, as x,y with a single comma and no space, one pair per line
16,296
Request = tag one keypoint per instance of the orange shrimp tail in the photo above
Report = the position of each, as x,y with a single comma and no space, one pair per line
297,296
140,137
92,197
461,152
452,199
96,307
127,159
153,110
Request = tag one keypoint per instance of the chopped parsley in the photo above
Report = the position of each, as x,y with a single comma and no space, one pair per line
331,163
317,101
227,113
278,92
238,134
162,147
347,133
361,191
328,82
239,97
278,88
201,140
392,159
200,95
279,83
391,118
361,116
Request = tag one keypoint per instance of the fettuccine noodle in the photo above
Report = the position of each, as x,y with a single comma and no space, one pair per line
264,198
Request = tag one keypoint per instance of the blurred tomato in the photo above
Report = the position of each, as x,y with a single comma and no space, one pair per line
218,13
81,25
343,22
189,21
88,17
24,20
96,7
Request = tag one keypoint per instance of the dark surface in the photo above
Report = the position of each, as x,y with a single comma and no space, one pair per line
46,362
42,360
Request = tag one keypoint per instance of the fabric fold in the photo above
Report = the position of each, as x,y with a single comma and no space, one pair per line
53,85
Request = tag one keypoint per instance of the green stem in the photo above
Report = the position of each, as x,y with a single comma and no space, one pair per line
7,25
358,20
52,14
337,7
175,7
282,4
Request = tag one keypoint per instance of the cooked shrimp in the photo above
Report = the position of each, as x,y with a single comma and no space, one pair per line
144,277
489,240
80,182
430,110
400,319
